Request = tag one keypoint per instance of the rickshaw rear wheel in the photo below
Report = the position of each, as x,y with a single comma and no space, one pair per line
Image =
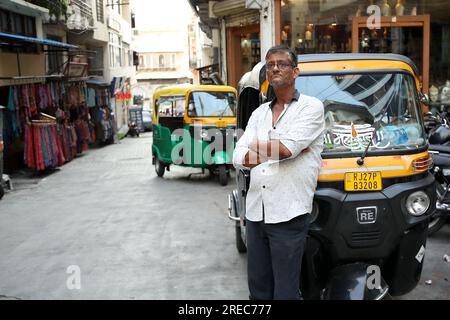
240,244
159,167
223,176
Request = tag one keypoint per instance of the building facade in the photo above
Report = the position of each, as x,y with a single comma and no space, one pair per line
166,43
245,29
103,29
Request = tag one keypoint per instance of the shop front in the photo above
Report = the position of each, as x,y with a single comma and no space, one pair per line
121,102
418,29
241,27
98,103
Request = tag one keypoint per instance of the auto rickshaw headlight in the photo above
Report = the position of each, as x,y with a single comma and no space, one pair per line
417,203
204,133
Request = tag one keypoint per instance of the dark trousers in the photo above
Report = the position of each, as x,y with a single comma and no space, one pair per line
275,254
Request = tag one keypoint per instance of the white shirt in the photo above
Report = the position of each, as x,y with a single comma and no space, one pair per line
286,187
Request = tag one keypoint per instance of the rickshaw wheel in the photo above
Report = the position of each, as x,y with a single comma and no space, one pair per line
436,222
159,167
240,244
223,177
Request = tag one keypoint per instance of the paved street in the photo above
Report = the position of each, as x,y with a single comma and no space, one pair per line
136,236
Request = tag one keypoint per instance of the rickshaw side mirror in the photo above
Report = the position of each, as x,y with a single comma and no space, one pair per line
262,98
425,99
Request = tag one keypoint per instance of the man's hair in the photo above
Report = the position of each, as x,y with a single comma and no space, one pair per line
283,48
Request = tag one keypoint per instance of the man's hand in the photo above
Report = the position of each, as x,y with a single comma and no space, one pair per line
272,149
252,159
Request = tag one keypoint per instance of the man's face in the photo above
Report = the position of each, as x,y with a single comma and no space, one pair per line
279,70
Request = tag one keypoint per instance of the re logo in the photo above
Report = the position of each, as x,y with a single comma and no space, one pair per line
366,215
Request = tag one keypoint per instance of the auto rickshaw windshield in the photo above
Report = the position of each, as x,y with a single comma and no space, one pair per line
212,104
360,107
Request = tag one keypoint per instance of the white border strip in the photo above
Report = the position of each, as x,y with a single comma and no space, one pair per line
391,168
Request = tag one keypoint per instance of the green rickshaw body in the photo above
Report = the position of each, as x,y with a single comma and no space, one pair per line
194,126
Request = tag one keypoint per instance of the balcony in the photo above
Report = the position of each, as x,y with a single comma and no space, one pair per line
82,17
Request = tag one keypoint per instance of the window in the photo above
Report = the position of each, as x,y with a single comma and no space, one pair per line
115,5
383,108
55,58
212,104
99,7
171,106
11,22
161,62
141,62
126,55
115,50
96,62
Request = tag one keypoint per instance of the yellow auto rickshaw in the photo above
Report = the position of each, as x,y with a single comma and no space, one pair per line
375,193
193,125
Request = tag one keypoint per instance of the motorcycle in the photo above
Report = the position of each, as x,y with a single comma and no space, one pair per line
439,139
133,129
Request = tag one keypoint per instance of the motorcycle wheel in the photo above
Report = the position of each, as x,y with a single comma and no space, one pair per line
159,167
436,222
223,176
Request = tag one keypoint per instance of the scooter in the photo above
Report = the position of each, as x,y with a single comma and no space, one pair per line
133,129
439,139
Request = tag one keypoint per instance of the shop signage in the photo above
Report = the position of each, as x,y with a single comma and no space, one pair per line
123,96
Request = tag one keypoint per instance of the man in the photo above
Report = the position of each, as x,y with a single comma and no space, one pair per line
281,145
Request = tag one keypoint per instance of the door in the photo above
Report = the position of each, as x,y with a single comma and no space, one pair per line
406,35
243,51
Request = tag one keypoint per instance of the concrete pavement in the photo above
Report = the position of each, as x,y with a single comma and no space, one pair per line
133,235
136,236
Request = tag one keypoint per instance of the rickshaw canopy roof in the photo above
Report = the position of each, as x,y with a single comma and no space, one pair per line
184,89
355,62
336,63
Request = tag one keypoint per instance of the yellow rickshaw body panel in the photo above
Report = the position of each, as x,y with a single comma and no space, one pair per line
389,166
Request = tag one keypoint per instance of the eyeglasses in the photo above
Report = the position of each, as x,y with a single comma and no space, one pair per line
280,65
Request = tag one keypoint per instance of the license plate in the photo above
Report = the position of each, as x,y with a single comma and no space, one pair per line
363,181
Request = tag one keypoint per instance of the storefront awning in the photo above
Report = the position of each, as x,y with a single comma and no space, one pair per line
15,38
98,82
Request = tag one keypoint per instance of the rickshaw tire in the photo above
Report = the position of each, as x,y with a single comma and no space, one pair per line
159,167
240,245
437,225
223,176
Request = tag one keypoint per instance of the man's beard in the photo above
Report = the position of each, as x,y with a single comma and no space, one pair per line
277,83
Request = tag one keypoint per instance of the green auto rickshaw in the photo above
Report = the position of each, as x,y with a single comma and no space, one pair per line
194,126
